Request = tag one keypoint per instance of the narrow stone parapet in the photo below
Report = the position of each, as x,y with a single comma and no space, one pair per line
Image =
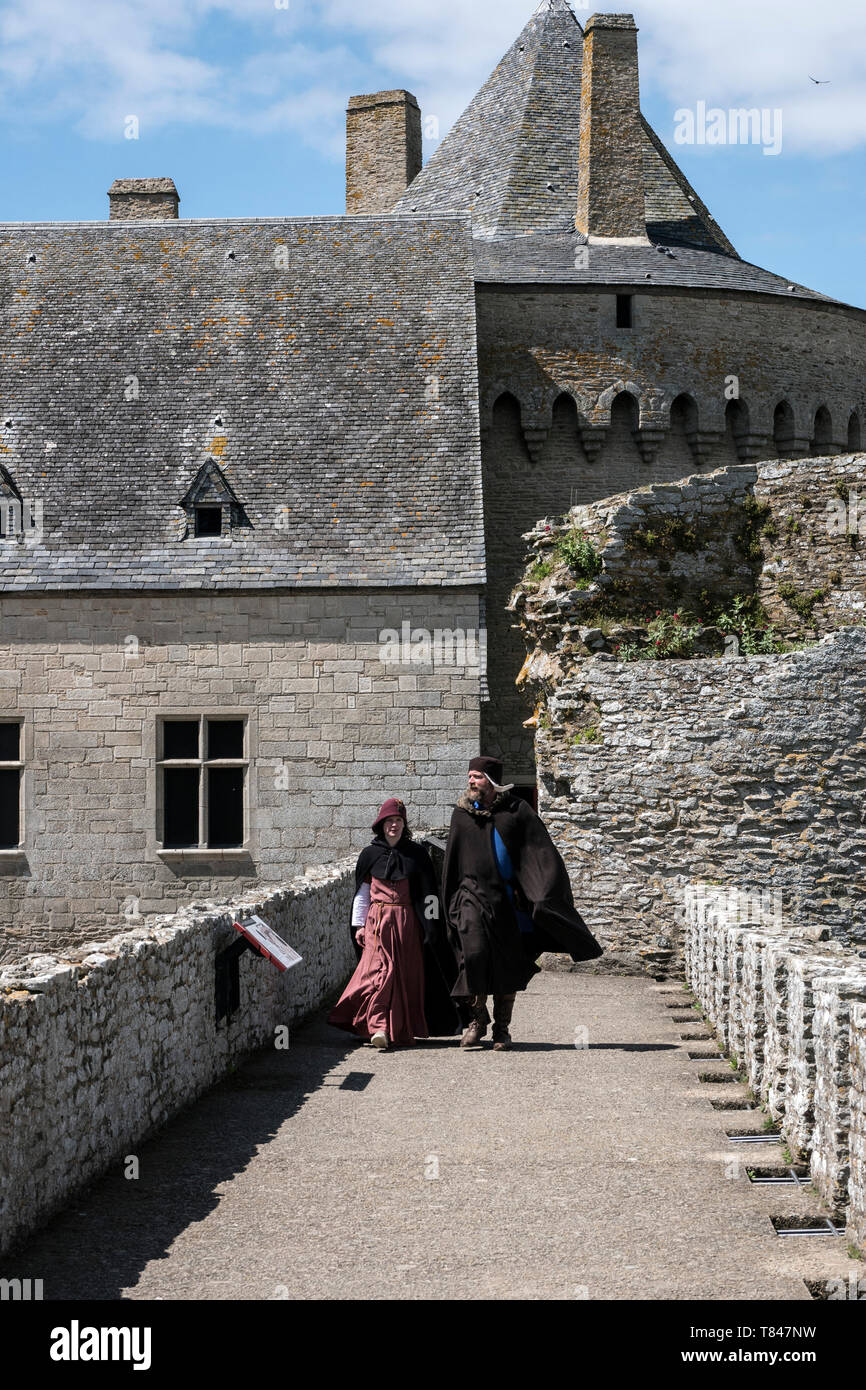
127,1029
801,1035
857,1180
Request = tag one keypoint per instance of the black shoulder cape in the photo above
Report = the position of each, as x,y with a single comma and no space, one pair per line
540,876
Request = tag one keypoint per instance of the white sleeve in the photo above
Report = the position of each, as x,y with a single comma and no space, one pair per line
361,906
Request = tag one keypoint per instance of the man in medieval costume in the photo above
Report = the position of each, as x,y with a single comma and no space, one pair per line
507,898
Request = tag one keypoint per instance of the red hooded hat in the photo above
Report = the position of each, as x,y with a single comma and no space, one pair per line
392,807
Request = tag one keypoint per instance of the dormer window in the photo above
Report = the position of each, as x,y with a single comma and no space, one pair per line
208,521
211,507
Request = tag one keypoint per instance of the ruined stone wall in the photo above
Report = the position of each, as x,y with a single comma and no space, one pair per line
100,1047
786,533
745,770
739,754
792,1012
335,723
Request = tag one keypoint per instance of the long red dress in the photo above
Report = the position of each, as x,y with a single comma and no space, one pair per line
386,992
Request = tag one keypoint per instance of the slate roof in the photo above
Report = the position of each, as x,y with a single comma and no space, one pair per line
521,134
552,260
512,162
327,366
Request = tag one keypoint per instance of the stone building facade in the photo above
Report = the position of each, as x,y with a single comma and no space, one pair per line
242,475
235,455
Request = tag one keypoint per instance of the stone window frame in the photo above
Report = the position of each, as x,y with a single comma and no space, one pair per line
12,853
202,853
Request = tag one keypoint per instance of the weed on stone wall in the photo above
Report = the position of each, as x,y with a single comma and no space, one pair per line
802,604
578,552
758,521
670,636
667,535
746,619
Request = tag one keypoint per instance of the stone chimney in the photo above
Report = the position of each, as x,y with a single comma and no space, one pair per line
142,200
610,198
383,150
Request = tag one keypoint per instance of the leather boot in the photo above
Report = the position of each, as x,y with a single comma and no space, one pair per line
503,1006
478,1027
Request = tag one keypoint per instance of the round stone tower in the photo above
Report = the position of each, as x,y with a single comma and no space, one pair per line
621,339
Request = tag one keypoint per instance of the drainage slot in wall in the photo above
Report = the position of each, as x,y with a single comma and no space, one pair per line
795,1176
720,1077
705,1057
805,1226
733,1105
695,1037
753,1138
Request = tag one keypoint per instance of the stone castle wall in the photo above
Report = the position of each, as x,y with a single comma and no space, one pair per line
332,728
790,534
749,769
575,410
101,1047
792,1012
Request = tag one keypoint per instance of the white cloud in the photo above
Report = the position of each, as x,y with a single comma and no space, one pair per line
94,62
739,53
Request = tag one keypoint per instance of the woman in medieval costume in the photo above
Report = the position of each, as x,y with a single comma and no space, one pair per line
400,990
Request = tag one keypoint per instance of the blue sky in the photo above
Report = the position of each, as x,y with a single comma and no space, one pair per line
243,102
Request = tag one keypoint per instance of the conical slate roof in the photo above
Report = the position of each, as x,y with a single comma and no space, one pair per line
512,159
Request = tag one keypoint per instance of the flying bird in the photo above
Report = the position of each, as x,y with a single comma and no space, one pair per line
818,83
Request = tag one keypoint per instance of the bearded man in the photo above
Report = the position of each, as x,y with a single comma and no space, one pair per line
507,898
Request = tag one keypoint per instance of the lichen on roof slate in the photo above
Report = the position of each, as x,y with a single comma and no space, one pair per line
328,366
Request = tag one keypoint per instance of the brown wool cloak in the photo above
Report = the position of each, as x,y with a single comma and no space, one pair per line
477,904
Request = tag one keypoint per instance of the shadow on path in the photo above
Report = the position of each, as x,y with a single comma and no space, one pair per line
100,1244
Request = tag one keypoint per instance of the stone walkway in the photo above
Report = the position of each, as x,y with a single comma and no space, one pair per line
549,1172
